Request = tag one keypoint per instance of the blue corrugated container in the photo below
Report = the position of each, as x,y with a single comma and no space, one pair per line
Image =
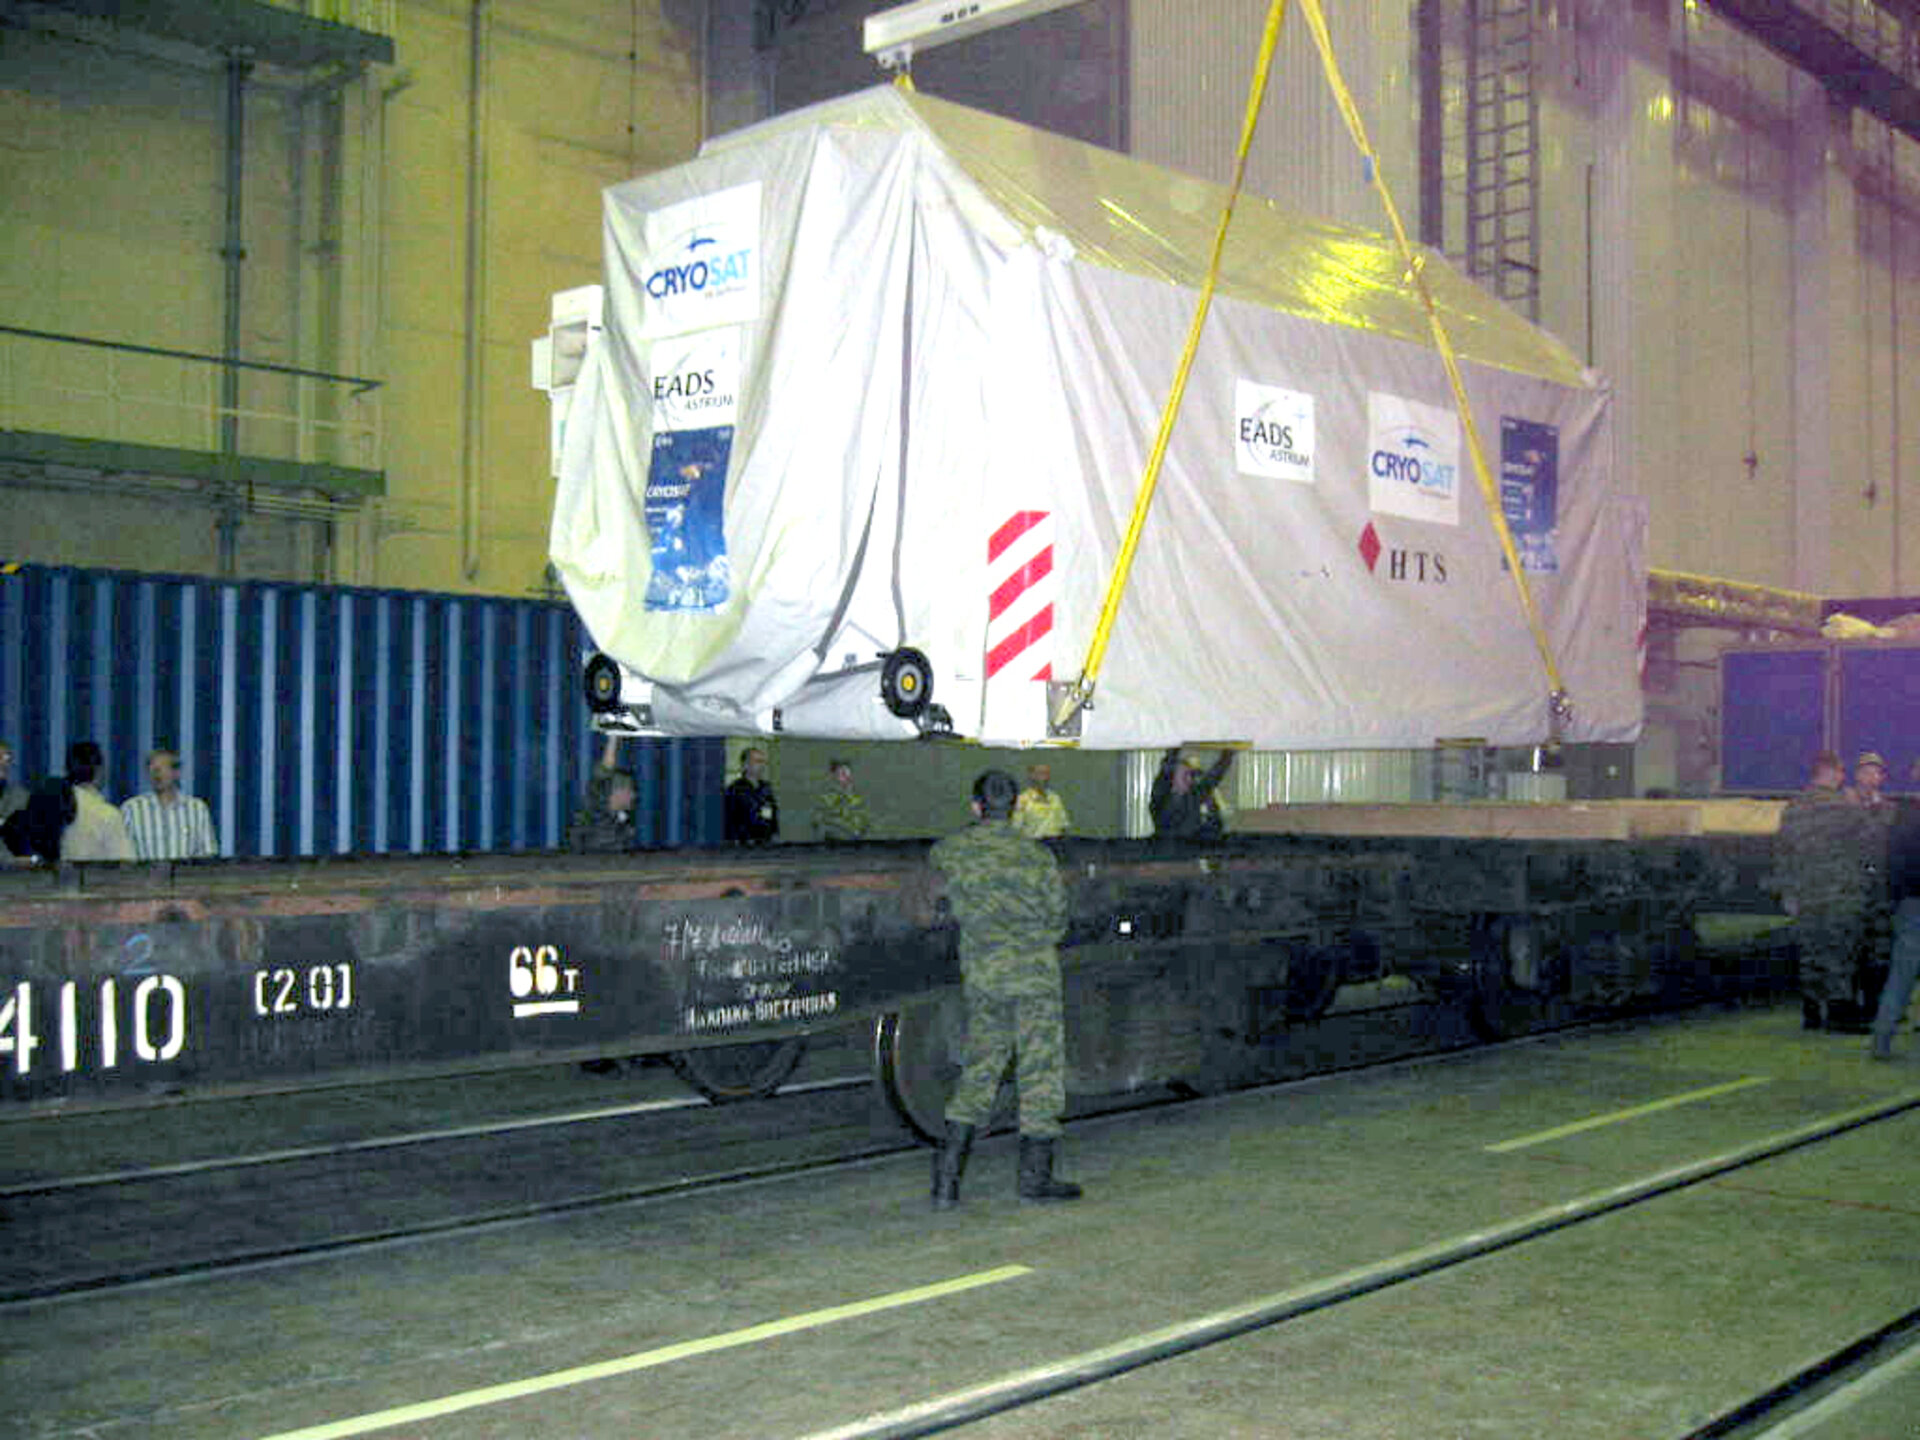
327,720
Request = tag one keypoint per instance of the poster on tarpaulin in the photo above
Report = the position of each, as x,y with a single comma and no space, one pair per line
695,391
1530,490
685,509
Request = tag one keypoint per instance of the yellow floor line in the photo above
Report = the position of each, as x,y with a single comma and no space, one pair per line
646,1359
1635,1113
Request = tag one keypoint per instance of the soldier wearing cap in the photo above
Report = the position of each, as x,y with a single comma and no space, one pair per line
1183,803
1876,946
1008,895
839,811
1825,870
1869,776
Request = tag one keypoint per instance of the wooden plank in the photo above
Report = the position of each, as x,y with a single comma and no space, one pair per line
1652,818
1521,820
1478,820
1741,817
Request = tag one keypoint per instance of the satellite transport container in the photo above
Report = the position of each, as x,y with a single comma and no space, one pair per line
869,398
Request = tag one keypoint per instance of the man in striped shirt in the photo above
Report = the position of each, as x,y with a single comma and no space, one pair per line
165,823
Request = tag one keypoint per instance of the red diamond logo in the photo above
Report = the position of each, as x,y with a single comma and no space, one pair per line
1369,546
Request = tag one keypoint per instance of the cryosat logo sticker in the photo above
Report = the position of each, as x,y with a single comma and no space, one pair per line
702,264
1273,432
1413,459
695,379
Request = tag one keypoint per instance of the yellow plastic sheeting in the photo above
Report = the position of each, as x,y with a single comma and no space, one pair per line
1708,600
1136,217
1139,218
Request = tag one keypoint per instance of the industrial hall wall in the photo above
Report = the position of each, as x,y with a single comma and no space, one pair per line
404,223
318,720
1735,253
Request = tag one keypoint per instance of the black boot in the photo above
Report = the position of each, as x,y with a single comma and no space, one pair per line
1036,1172
949,1164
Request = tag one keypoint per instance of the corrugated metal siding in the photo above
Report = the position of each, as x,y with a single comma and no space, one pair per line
1191,67
1291,777
1323,777
317,720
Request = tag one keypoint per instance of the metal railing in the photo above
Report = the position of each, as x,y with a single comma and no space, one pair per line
88,388
374,16
1886,32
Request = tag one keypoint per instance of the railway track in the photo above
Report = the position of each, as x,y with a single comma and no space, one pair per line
109,1230
107,1227
1021,1395
94,1231
1643,1207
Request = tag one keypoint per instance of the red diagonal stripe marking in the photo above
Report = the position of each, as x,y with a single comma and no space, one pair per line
1020,639
1046,672
1020,522
1015,585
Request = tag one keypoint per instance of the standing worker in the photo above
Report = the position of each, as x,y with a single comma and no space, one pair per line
1183,803
753,815
1040,813
1869,785
1869,793
166,823
1903,889
13,795
1822,859
604,823
1011,903
839,811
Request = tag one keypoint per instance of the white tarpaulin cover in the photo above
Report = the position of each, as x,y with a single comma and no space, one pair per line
886,371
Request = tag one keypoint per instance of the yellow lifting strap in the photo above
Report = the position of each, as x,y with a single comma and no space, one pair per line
1080,693
1076,696
1557,702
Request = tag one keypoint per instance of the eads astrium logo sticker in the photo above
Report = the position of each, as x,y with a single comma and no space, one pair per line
1273,432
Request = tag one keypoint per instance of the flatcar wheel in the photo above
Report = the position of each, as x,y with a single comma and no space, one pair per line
751,1071
1313,979
916,1062
603,684
1510,973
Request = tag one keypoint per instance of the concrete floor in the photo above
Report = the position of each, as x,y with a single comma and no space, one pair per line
728,1316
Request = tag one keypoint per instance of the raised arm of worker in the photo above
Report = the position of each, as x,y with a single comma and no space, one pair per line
1163,782
1216,772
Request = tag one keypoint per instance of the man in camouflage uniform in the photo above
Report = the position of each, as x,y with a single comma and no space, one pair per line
1825,873
1903,884
1876,945
1011,903
839,811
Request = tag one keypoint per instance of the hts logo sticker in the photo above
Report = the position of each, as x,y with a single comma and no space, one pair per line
1406,567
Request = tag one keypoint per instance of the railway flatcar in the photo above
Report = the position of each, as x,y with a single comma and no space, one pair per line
1185,967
